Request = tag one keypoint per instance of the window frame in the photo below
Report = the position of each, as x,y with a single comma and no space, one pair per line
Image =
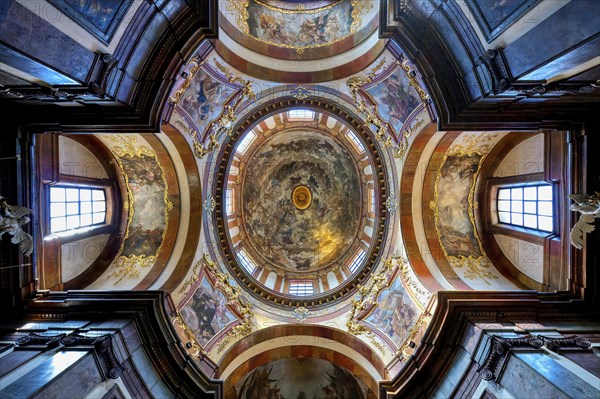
81,183
296,283
246,261
523,211
300,118
356,261
494,226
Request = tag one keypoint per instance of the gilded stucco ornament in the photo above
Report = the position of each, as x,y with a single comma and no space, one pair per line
195,65
391,204
129,266
300,92
300,313
366,298
476,267
274,19
370,112
241,307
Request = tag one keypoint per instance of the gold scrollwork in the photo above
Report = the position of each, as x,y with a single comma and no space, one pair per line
475,267
358,7
412,79
194,348
365,299
196,64
371,113
402,147
129,266
422,323
224,124
129,148
240,9
193,279
234,298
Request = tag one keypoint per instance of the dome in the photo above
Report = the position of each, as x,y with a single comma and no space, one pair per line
299,205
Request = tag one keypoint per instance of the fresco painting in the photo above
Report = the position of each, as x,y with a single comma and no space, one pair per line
299,30
148,224
203,100
396,99
312,238
456,230
207,313
100,17
301,378
395,314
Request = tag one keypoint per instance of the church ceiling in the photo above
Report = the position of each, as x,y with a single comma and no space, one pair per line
237,207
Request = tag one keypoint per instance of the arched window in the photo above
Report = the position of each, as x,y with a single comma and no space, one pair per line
527,206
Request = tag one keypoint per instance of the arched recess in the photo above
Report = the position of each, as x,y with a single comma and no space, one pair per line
537,259
75,261
153,213
442,196
297,342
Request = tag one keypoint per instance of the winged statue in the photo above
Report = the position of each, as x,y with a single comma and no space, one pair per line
11,219
589,207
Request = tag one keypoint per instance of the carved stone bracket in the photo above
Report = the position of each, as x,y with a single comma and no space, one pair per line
500,347
496,65
102,345
572,342
98,86
36,341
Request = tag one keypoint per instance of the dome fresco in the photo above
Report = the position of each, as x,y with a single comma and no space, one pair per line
292,239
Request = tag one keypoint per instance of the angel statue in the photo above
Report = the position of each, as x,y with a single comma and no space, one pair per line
589,207
11,219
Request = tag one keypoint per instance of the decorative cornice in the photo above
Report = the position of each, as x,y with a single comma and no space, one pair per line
37,341
147,310
572,342
455,310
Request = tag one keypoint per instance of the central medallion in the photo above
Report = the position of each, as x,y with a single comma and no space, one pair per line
301,197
